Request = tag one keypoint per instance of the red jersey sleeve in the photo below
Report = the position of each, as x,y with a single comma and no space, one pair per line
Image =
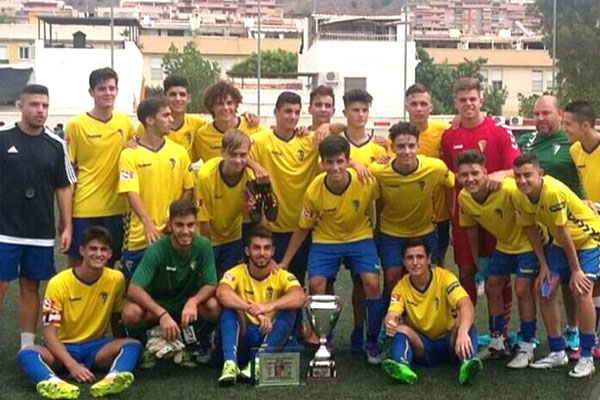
445,149
510,148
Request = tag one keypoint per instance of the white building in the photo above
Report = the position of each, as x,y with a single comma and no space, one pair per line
367,52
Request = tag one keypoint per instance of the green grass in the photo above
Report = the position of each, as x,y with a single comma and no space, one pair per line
357,379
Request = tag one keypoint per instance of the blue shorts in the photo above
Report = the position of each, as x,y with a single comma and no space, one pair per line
588,261
298,264
443,234
35,263
130,261
113,223
525,265
85,352
324,259
228,255
390,248
439,351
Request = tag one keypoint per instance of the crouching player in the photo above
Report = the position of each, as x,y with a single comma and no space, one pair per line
174,286
571,258
78,306
494,211
260,306
430,319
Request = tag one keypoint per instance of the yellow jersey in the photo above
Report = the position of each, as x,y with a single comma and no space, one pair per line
365,153
159,177
559,206
292,165
496,215
184,135
432,312
262,291
94,148
407,206
221,204
79,310
430,143
587,164
207,142
339,218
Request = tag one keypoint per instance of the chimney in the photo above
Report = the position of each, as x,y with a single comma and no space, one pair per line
79,41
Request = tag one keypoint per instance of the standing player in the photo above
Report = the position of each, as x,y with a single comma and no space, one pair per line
572,257
431,319
34,168
336,207
175,284
185,125
222,99
500,148
494,211
95,140
220,188
263,299
78,306
419,107
152,175
405,210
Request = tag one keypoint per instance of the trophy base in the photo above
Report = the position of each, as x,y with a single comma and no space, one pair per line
321,371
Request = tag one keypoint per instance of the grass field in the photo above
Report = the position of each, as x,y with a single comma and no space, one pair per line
357,379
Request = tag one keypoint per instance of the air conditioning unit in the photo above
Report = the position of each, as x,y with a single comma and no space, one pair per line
332,77
516,120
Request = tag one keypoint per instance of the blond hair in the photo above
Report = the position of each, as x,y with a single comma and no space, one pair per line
233,139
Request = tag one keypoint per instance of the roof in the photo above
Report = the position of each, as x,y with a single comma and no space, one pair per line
89,21
216,46
504,58
12,81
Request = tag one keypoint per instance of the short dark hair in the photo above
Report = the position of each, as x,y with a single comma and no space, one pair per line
471,157
98,233
218,91
102,75
355,95
417,88
416,242
334,145
34,89
258,231
150,107
526,158
467,83
182,208
175,80
403,128
583,111
322,90
287,98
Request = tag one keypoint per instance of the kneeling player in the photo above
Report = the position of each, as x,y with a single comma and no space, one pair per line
423,321
571,258
78,306
494,211
337,206
175,286
260,306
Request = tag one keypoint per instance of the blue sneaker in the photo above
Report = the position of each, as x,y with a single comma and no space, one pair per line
484,340
357,341
572,339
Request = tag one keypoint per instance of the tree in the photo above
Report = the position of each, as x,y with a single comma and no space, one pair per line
577,46
494,99
274,64
200,72
526,104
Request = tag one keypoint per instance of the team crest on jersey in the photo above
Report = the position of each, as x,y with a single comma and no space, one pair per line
499,213
172,162
395,298
103,297
307,213
421,185
193,265
437,303
126,175
301,154
269,292
229,277
188,137
120,133
356,204
482,145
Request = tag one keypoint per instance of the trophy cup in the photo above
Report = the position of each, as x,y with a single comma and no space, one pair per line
323,313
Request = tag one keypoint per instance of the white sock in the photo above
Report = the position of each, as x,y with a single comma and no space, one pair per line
27,339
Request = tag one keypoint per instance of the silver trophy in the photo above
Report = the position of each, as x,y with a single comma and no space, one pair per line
323,313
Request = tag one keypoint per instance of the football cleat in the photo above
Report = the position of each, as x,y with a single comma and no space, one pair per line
114,382
523,357
552,360
246,373
583,369
497,349
229,374
56,388
469,369
270,204
399,371
373,353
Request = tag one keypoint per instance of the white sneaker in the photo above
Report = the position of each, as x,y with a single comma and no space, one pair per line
495,350
554,359
583,369
523,358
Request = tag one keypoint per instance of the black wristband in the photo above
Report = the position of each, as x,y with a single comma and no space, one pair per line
161,315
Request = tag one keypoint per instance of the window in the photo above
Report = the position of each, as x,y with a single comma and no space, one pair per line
496,78
549,86
355,83
484,82
24,53
156,71
537,81
3,55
